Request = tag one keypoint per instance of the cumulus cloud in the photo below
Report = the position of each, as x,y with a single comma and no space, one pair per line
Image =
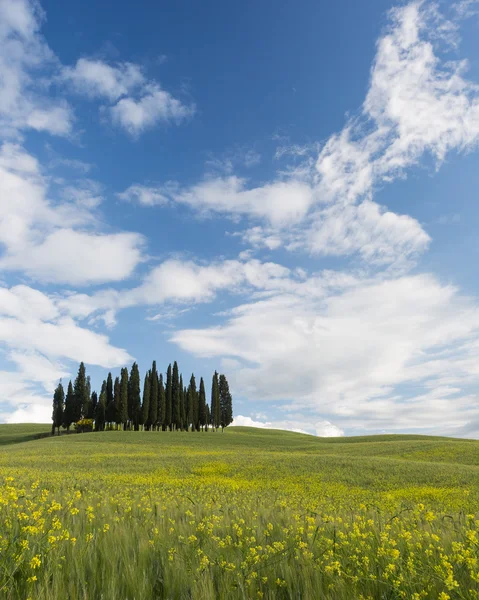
155,105
23,55
281,203
136,103
344,355
96,78
144,195
40,341
41,238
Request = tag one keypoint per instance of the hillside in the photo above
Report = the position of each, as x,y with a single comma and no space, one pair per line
260,456
248,513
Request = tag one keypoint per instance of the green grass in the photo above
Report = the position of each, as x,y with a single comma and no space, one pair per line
248,513
14,434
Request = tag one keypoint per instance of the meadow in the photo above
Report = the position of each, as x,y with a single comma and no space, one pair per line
247,513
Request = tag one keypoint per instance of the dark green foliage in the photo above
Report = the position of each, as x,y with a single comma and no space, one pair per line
153,416
100,413
82,399
69,412
208,416
88,409
58,407
145,406
168,393
175,398
215,402
94,402
202,404
117,400
182,405
171,406
123,409
226,403
109,389
189,408
193,397
134,397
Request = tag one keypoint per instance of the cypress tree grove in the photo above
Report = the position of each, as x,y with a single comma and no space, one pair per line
69,412
168,393
58,407
226,403
215,403
153,417
117,401
145,406
172,406
175,398
123,416
202,405
134,397
195,413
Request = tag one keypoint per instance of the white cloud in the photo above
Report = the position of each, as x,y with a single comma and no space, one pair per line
379,236
282,203
242,421
41,239
147,196
327,429
154,106
78,258
24,55
96,78
417,103
346,355
178,281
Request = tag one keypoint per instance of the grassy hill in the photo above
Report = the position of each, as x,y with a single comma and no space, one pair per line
248,513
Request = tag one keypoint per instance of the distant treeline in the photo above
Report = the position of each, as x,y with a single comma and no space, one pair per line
164,405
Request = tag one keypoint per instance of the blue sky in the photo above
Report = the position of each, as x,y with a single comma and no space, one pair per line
288,196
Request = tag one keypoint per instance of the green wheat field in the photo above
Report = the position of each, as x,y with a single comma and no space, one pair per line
247,513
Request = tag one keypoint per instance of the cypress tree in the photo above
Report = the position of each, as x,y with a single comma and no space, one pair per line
88,409
208,416
94,402
109,389
123,410
202,404
168,393
153,417
58,407
182,405
134,397
175,398
226,403
110,406
69,412
188,407
161,405
101,410
116,401
145,406
81,394
195,413
215,402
